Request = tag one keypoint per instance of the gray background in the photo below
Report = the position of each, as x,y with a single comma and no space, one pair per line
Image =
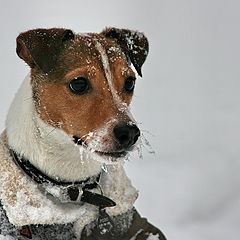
187,102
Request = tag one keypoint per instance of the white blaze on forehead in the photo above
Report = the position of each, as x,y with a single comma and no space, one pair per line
122,106
105,63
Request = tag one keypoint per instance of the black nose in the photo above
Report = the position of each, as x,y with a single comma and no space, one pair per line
126,134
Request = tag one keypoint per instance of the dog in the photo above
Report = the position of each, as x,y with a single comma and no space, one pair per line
68,131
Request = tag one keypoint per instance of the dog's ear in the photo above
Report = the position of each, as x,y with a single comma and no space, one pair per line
41,47
134,44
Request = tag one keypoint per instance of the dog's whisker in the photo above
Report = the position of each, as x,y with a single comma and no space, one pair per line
140,151
26,99
148,132
53,130
147,145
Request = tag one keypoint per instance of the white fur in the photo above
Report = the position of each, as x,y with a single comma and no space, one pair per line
25,202
49,149
122,106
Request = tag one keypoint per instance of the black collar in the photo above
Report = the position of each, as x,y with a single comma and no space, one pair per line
68,191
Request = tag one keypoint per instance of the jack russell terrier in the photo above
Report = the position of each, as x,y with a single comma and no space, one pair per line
67,131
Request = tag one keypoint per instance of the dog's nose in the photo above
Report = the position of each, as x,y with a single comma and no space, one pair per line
126,134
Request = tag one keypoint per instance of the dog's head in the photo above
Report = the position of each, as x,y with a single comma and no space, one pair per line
83,84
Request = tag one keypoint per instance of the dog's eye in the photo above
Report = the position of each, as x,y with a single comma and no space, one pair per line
129,84
79,85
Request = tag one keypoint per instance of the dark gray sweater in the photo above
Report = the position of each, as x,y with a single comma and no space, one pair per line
126,226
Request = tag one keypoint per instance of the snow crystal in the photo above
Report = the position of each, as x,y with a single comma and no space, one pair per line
135,236
104,168
114,49
124,70
6,237
153,237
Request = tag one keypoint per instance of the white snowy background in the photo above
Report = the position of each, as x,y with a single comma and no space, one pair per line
188,101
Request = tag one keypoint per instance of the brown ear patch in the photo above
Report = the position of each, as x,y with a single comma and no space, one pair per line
41,47
133,43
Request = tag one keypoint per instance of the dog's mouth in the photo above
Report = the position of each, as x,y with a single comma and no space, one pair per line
117,154
112,154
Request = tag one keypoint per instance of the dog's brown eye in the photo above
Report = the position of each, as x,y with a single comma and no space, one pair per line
129,84
79,85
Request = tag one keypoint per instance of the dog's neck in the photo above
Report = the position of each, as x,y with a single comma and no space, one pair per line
49,149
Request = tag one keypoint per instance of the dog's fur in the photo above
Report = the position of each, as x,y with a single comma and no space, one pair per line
52,115
45,117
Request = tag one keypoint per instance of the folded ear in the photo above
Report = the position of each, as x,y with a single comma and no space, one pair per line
41,47
134,44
